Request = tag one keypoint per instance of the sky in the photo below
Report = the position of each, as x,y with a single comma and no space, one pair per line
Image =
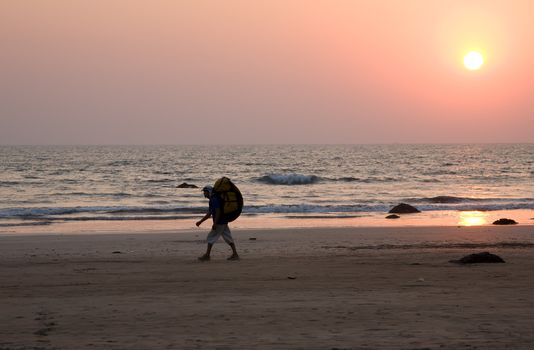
265,72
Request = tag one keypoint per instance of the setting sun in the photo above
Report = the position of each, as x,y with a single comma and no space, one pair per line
472,218
473,60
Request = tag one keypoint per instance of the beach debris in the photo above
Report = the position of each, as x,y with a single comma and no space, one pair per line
186,185
116,252
404,208
252,239
420,279
478,258
505,221
393,216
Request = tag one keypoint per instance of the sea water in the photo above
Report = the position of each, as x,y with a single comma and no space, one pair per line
43,185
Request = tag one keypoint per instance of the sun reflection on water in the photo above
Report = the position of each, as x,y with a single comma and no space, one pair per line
472,218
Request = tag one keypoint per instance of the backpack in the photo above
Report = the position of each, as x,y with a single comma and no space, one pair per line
232,200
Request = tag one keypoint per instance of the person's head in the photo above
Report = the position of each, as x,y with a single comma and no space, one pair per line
207,190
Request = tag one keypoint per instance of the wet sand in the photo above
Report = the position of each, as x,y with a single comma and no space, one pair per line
344,288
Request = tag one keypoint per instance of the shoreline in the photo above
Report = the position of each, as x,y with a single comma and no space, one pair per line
313,288
524,217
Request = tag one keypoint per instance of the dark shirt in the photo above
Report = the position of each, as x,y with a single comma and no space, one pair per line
216,203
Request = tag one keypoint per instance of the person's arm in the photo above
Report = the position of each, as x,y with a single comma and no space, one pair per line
206,217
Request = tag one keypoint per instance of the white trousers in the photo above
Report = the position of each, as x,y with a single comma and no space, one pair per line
220,230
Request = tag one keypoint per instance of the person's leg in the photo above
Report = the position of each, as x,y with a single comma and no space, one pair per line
234,255
206,255
213,236
227,236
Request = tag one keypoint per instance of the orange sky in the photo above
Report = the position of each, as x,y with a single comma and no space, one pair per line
287,71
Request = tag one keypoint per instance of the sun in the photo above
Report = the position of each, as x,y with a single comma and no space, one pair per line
472,218
473,60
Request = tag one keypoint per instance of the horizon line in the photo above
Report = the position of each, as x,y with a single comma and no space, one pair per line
263,144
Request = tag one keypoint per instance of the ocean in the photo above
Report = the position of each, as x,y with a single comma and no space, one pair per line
44,185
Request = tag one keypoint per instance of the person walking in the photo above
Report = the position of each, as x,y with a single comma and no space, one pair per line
219,227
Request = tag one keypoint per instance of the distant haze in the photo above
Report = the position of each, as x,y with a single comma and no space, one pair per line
281,71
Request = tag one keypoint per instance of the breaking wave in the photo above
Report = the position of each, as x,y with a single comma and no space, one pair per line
299,179
51,212
450,199
289,179
490,203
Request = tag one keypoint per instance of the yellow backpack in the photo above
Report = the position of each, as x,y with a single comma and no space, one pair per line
232,200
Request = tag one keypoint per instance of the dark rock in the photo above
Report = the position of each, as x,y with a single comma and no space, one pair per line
479,258
505,221
392,216
186,185
252,238
404,208
291,277
117,252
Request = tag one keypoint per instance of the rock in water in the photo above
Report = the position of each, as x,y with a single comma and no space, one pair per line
479,258
392,216
404,208
505,221
186,185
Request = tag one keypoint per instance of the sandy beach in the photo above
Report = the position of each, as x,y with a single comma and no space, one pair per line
344,288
